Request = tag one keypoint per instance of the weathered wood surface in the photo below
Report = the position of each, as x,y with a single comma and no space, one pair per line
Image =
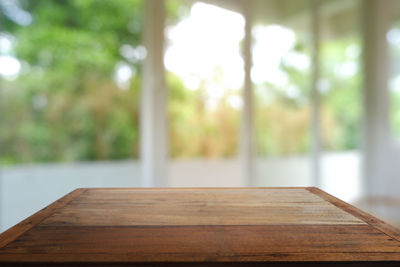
195,226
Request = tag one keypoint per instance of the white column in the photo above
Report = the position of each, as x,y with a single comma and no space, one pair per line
247,117
376,131
1,176
153,123
315,96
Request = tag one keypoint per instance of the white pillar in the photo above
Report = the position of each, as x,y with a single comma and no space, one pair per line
376,131
247,116
315,96
153,123
1,176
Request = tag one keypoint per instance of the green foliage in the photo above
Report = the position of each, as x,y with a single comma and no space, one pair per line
342,101
283,123
395,113
65,105
394,86
282,120
194,129
177,10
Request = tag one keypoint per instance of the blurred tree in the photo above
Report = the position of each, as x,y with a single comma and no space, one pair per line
283,113
282,120
195,130
394,77
77,94
66,103
341,103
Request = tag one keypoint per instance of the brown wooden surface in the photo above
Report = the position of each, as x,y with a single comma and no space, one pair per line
195,226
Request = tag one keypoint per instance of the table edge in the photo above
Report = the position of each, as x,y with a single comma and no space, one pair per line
191,188
14,232
371,220
17,230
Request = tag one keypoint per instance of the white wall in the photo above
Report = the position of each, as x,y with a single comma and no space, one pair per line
205,173
29,188
339,173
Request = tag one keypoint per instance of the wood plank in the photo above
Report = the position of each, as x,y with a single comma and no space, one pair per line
203,243
371,220
36,218
200,207
201,227
208,264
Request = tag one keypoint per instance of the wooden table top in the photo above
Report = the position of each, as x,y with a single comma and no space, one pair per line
195,226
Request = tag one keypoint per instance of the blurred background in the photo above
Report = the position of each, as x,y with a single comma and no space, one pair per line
103,93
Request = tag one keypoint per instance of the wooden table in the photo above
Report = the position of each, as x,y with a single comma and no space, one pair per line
200,227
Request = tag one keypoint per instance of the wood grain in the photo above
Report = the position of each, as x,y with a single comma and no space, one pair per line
33,220
371,220
200,207
203,243
201,227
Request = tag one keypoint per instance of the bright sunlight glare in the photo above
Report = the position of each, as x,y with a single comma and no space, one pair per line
123,75
9,67
204,50
271,44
